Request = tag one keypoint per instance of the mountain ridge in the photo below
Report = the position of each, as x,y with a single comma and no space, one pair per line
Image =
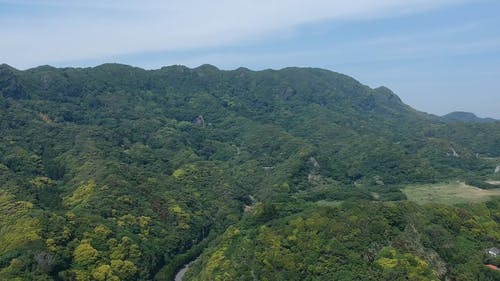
382,90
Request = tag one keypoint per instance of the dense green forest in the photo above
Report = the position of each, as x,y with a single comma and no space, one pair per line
121,173
357,241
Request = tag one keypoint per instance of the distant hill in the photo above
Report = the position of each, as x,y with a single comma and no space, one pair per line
467,117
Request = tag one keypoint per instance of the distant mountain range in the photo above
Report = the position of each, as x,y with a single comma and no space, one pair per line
468,117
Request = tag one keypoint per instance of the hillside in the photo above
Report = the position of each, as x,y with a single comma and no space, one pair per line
467,117
357,241
121,173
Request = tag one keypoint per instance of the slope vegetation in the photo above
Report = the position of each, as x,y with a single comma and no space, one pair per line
119,173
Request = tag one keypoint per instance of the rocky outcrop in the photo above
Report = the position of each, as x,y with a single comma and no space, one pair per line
288,93
454,152
200,121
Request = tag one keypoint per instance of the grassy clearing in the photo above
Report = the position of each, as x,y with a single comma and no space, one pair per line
325,203
448,193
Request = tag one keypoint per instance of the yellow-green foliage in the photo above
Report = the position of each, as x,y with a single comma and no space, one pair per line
81,195
17,228
218,267
104,273
126,220
102,231
125,269
187,172
144,221
42,182
217,261
415,267
387,262
51,244
124,250
141,221
15,267
179,173
180,215
85,254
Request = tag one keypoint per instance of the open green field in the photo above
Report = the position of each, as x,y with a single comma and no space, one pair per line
448,193
326,203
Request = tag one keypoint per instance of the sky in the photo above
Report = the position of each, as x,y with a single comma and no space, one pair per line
437,55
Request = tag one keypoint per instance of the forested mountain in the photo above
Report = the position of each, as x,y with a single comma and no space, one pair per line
467,117
121,173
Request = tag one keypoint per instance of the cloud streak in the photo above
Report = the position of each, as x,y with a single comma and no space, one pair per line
48,32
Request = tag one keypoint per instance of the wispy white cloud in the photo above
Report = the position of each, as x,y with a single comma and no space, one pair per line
422,44
50,31
444,42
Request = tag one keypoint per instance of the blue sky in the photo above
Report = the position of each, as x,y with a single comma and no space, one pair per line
438,56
